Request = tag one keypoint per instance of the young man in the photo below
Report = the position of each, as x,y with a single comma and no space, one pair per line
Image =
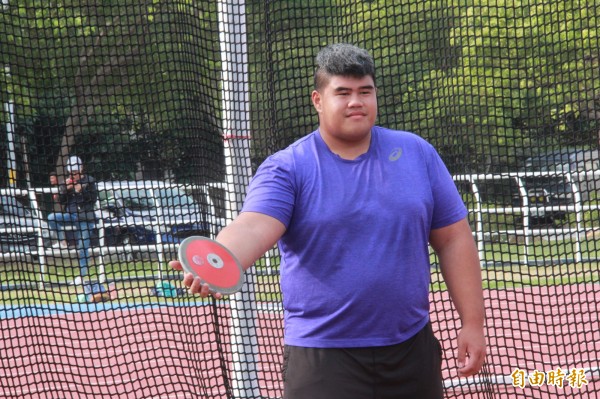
78,196
354,207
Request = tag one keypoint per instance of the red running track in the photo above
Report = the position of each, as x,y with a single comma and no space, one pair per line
173,351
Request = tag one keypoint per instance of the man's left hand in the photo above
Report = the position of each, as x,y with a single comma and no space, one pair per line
471,351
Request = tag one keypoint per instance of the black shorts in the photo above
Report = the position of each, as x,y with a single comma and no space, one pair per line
409,370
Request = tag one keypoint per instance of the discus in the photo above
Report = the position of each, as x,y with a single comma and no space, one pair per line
214,264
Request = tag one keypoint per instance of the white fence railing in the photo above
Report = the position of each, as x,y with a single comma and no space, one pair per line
32,223
525,233
528,212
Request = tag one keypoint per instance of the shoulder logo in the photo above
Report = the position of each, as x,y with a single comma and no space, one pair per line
395,155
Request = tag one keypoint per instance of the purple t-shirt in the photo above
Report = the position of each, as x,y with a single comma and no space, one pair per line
355,267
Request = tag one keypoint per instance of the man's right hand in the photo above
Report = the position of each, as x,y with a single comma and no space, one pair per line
264,230
194,284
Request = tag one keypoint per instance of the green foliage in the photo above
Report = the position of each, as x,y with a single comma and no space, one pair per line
111,81
487,82
516,85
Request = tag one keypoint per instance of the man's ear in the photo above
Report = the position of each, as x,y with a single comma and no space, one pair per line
316,100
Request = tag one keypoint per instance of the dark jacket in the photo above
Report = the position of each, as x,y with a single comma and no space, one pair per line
82,203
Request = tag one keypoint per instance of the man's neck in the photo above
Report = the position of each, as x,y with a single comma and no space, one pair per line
347,149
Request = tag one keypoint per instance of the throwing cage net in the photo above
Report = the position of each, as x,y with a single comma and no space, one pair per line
171,105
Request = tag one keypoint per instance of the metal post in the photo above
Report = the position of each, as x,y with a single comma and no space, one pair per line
236,127
11,158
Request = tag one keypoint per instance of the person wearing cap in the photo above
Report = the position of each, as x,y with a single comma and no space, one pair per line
78,196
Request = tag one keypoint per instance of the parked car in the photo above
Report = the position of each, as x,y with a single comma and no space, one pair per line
542,194
573,161
558,189
144,212
20,224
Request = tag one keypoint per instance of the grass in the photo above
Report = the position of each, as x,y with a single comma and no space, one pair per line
21,282
134,280
555,262
518,276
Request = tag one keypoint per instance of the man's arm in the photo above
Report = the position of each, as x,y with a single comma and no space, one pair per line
459,263
248,237
89,191
84,193
62,194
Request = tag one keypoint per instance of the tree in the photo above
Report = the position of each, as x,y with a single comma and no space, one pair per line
520,82
117,63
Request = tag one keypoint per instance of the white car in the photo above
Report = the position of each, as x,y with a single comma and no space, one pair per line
144,212
20,224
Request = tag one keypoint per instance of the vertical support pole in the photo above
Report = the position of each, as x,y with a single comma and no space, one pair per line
479,228
236,129
11,158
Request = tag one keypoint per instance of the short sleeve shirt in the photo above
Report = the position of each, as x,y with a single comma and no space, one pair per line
355,266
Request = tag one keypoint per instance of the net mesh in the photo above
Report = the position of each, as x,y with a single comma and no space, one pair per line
170,105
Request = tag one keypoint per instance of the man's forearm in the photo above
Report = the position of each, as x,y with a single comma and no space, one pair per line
460,266
250,235
462,273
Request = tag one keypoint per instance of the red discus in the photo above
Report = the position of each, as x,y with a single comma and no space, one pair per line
214,264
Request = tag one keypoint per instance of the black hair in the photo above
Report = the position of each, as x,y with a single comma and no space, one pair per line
342,59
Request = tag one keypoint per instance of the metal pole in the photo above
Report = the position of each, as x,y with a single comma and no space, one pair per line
11,158
236,129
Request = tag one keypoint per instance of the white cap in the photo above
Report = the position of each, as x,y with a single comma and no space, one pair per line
74,164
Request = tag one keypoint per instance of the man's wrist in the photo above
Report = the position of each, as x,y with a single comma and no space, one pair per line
473,323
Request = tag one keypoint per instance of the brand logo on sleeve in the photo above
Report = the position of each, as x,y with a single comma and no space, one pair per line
395,155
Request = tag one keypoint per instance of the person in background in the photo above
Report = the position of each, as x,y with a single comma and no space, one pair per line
78,196
354,207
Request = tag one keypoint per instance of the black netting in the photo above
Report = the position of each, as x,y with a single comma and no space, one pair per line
170,105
